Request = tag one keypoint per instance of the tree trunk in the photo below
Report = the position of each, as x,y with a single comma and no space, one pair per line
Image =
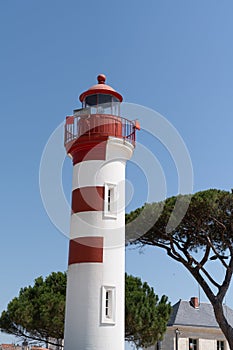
223,324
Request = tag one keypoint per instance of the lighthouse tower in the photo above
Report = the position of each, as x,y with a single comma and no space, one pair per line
99,141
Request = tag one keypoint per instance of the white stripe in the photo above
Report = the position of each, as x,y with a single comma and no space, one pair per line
118,149
91,224
97,173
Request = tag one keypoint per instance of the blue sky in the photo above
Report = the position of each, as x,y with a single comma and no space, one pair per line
174,57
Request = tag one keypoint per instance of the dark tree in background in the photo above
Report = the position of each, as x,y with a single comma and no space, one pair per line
146,316
204,237
39,310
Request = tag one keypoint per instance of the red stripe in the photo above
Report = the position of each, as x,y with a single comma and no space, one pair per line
86,148
95,150
88,199
86,250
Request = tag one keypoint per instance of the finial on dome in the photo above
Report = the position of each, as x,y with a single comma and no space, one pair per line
101,78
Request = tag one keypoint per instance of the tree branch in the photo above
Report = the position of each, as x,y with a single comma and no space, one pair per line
216,253
199,266
225,285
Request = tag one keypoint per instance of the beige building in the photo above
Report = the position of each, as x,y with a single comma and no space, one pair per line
24,346
192,326
10,347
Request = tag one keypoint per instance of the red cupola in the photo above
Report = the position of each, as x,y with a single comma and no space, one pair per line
100,93
98,119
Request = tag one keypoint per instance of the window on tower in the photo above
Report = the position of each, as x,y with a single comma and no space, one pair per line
108,305
102,104
108,302
110,200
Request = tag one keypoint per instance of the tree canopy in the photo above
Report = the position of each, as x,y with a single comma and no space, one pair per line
202,238
38,312
146,316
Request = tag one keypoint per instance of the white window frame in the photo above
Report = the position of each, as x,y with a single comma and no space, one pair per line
108,307
110,200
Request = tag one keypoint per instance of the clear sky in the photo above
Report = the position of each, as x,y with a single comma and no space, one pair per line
175,57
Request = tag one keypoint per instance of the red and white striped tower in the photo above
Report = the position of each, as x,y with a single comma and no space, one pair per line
99,142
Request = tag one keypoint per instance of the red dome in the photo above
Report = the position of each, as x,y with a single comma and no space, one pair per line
101,88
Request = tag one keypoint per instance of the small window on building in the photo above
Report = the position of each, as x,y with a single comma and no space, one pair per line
110,202
193,344
108,305
220,345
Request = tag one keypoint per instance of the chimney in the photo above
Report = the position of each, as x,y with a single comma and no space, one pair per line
194,302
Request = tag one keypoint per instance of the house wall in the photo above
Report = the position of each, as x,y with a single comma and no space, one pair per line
207,344
207,338
203,344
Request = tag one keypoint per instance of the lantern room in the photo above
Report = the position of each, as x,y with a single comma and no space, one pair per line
99,117
101,98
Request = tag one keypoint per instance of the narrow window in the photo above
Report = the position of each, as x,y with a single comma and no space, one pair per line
109,199
192,344
110,203
220,345
108,305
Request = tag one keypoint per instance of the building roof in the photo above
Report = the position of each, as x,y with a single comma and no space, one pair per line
185,314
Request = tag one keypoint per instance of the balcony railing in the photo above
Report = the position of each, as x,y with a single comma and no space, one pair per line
94,126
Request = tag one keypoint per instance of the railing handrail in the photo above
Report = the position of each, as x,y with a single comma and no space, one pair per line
103,115
96,124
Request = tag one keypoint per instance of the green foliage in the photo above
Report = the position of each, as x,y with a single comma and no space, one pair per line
145,316
38,311
209,215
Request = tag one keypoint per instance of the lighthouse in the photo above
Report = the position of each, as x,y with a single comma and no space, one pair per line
99,141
